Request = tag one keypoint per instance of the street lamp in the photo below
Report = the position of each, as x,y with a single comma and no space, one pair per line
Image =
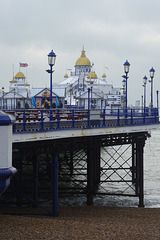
90,86
14,99
157,99
70,90
3,96
51,62
126,70
152,71
144,85
89,98
142,101
124,91
80,98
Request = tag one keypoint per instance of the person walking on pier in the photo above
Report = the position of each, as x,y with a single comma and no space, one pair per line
46,104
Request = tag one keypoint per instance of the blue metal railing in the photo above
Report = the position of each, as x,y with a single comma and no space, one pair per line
36,120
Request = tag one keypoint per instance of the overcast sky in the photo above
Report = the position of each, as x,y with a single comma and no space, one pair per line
111,32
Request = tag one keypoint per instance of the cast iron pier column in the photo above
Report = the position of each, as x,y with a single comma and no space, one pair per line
55,212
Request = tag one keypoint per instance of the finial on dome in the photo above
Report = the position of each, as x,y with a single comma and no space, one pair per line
66,75
83,52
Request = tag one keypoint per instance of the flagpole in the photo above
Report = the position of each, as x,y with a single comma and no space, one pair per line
26,74
13,69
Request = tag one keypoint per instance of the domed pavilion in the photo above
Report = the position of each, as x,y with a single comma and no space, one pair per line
83,64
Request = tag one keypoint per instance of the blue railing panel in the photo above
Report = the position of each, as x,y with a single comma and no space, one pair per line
35,120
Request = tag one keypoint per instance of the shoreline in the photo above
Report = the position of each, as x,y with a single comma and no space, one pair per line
94,222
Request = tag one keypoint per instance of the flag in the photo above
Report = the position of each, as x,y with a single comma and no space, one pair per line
33,102
57,102
23,64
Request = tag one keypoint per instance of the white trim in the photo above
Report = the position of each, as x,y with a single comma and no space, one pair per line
39,136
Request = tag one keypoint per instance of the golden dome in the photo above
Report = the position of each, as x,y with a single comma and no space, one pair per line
104,75
19,75
92,75
13,80
66,75
27,84
90,80
83,60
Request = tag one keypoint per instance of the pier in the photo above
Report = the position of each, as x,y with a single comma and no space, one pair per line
69,152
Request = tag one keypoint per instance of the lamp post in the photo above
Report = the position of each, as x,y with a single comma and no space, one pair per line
142,102
79,98
14,99
3,96
152,71
70,90
144,85
124,91
89,98
157,99
91,85
126,70
51,62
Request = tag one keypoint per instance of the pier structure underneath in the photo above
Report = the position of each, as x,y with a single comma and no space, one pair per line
50,171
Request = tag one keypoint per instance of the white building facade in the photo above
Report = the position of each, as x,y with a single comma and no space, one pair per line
83,88
19,93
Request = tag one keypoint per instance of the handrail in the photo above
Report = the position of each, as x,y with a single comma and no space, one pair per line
35,120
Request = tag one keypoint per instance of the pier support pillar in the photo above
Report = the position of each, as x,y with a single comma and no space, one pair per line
55,212
91,176
35,181
134,162
137,167
18,161
97,166
71,162
140,170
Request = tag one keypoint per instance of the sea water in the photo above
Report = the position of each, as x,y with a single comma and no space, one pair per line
152,170
151,178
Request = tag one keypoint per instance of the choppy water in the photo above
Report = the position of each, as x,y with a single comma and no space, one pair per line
151,181
152,170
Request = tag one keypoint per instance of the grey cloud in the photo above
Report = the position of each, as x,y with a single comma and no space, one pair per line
111,31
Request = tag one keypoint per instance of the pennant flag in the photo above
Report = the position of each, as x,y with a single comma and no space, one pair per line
33,102
57,102
23,64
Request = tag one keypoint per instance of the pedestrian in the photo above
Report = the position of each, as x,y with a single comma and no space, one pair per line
18,104
46,104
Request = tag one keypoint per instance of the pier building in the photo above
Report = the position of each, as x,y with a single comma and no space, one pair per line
18,95
73,90
77,153
84,80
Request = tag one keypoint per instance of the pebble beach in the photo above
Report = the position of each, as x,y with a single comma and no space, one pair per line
81,223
